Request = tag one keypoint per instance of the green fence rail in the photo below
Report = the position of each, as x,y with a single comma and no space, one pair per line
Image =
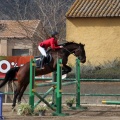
71,81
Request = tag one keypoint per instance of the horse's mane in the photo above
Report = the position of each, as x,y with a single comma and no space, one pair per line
68,43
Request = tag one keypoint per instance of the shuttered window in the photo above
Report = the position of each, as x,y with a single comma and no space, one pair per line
20,52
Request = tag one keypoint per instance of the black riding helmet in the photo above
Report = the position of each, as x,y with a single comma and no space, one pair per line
54,33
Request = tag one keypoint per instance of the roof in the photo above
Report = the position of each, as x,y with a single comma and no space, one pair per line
18,29
94,8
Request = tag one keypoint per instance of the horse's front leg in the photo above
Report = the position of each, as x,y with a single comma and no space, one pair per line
66,69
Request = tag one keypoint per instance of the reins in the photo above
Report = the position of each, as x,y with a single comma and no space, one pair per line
69,51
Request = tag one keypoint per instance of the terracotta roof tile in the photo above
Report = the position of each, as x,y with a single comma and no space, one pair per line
18,29
94,8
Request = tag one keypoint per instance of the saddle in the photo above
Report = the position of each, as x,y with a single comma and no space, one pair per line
39,59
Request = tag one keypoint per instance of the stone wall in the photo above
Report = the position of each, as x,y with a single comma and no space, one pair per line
3,47
19,44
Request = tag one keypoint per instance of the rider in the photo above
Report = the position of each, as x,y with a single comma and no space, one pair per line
51,42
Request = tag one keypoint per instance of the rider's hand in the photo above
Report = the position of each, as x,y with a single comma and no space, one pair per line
61,46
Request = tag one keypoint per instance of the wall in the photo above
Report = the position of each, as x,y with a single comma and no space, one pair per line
19,44
3,47
101,37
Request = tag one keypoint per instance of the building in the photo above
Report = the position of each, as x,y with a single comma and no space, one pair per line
20,38
96,23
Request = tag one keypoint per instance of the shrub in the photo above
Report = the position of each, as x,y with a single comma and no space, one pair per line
24,109
110,70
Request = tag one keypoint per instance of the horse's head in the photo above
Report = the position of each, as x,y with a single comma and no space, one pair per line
80,52
77,49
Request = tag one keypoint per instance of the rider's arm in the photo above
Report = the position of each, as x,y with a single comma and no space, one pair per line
54,44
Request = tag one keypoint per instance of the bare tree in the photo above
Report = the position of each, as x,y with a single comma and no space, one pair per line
53,15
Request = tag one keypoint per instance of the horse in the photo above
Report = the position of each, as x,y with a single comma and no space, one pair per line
23,72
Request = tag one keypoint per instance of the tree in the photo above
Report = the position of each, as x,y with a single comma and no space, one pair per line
50,12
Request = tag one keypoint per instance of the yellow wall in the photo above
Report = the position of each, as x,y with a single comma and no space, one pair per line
101,37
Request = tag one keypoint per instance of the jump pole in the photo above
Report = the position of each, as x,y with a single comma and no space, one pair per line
78,83
31,86
59,91
111,102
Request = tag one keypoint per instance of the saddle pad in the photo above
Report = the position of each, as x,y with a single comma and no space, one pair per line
46,61
38,62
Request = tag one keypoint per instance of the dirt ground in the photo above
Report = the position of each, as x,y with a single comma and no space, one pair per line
95,109
94,112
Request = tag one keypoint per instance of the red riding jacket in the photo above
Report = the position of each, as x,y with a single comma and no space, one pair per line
49,43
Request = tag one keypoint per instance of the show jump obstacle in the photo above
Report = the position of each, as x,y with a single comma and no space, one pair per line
56,85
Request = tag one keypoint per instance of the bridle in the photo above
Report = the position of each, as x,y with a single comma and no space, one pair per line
73,52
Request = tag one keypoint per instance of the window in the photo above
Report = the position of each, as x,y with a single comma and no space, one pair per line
20,52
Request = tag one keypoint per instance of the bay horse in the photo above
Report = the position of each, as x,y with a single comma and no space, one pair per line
23,73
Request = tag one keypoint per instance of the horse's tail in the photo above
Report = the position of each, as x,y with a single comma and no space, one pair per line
10,75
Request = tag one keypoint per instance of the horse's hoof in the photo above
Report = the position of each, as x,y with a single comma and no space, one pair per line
19,102
64,76
13,109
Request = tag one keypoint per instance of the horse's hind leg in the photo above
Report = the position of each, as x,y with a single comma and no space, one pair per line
16,93
21,92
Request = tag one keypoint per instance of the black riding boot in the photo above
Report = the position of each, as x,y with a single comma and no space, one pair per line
42,62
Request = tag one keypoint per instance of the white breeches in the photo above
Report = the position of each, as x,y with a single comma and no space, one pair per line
42,50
